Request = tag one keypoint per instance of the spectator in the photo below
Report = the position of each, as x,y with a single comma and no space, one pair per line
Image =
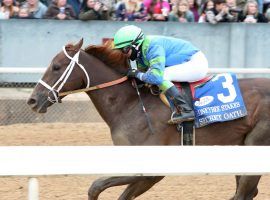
141,13
59,9
267,14
114,8
8,9
158,10
117,4
125,10
207,6
194,8
181,13
76,5
24,13
233,9
36,9
251,13
266,5
93,10
131,10
220,13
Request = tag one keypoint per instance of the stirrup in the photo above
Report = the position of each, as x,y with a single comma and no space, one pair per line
179,120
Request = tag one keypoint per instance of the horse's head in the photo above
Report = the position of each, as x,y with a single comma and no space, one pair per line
66,72
57,78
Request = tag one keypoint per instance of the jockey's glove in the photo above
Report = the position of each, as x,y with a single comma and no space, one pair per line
132,73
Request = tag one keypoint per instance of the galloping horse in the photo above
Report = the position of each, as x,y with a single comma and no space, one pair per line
120,108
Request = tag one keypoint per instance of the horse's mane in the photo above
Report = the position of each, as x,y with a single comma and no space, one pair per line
109,56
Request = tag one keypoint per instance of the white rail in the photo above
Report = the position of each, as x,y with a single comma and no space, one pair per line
131,160
40,70
128,160
26,70
240,70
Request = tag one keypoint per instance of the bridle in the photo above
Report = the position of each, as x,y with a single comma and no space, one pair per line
62,80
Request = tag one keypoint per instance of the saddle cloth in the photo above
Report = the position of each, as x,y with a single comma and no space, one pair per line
217,99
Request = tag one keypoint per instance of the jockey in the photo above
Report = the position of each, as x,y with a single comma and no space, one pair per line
161,60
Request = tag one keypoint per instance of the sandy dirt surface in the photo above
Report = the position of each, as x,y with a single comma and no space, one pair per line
76,187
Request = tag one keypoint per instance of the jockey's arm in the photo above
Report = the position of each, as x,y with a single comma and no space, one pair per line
156,59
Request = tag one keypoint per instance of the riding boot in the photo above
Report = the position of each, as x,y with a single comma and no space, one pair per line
181,110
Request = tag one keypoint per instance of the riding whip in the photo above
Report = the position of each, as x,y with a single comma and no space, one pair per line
141,102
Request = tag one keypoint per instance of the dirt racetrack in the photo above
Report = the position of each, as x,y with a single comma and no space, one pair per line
75,187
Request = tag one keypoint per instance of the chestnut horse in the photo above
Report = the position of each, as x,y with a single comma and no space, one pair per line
120,108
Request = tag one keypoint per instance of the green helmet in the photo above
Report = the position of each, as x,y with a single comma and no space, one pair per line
128,36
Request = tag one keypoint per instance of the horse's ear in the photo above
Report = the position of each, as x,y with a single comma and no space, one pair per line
78,46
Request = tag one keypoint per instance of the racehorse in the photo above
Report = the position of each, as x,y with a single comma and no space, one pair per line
120,108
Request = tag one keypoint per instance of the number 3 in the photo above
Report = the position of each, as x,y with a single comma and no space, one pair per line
228,84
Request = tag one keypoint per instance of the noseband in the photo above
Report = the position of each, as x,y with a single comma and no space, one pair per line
62,80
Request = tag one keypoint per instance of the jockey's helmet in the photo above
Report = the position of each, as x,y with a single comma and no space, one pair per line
128,36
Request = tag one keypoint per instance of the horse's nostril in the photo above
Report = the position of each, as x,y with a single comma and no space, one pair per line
31,101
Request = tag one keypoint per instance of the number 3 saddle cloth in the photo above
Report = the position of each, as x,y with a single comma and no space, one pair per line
218,99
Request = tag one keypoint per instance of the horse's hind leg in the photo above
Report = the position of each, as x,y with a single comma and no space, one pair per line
138,188
101,184
259,135
246,187
237,178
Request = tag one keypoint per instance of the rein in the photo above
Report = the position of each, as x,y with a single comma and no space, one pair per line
100,86
62,80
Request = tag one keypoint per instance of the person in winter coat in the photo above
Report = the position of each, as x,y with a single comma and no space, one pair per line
59,9
94,10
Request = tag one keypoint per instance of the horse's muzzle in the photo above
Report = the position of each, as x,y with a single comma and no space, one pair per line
32,103
38,106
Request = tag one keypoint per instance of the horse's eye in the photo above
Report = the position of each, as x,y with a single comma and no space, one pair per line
56,67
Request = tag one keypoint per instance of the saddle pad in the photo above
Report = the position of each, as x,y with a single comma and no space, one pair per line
218,100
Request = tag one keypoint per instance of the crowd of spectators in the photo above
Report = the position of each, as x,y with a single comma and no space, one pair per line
182,11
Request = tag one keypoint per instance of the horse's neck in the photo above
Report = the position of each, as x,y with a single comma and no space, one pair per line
111,100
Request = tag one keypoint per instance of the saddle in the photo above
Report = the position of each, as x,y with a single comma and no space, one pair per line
187,88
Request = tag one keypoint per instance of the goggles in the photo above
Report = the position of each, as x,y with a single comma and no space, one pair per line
126,49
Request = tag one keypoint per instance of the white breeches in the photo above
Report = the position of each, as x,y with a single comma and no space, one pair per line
193,70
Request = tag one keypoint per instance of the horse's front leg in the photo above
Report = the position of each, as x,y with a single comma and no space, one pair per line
102,184
246,187
138,188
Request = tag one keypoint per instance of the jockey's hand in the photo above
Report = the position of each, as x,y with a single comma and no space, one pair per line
132,73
